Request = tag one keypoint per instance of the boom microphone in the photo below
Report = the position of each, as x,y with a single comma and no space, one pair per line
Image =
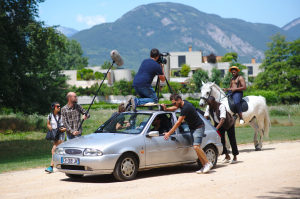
116,57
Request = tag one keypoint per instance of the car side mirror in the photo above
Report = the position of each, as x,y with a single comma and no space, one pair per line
153,134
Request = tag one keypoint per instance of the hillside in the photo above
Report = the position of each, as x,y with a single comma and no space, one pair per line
293,28
172,27
67,31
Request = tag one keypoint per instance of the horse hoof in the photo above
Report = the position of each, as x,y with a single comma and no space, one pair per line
258,149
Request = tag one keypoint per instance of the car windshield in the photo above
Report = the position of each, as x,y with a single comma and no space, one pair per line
130,123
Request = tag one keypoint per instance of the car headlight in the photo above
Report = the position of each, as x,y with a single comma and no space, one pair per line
59,151
92,152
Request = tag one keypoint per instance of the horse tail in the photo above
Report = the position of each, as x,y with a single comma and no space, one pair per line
267,122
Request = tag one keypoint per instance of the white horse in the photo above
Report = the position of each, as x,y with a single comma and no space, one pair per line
257,109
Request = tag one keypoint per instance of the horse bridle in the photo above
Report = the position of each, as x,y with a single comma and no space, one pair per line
210,95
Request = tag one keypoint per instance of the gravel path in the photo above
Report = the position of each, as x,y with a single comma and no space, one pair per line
273,172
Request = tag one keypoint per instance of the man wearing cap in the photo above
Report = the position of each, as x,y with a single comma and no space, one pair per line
237,86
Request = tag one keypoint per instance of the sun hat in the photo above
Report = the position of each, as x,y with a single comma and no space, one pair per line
234,67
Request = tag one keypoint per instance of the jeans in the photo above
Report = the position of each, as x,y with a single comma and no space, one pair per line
70,136
237,98
147,94
197,135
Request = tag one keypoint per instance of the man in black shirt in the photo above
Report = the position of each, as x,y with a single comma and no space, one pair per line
196,125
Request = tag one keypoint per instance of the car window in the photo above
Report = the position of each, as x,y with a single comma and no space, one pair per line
162,123
131,123
184,127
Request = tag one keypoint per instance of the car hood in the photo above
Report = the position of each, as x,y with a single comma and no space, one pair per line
96,140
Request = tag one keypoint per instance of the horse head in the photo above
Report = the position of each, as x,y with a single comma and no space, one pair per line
206,91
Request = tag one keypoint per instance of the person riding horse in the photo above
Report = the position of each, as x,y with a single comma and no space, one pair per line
237,86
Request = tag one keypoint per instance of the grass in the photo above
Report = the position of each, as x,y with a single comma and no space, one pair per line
24,148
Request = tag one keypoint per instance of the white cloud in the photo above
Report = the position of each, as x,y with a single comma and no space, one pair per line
91,20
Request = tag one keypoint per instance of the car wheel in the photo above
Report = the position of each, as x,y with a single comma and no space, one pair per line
211,155
126,168
73,175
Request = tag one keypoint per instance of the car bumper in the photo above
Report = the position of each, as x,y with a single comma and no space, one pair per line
104,164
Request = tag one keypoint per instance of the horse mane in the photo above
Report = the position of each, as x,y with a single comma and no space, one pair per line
219,89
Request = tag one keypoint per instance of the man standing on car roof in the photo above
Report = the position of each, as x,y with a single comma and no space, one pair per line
143,79
224,121
196,125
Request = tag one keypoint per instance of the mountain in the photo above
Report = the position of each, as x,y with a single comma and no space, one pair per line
293,28
67,31
172,27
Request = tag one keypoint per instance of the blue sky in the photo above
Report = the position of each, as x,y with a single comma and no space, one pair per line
79,14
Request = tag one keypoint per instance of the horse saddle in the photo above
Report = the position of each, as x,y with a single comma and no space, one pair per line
232,105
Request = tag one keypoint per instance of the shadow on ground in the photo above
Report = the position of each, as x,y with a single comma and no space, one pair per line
289,192
188,168
253,150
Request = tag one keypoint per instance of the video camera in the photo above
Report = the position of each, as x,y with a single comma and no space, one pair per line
162,58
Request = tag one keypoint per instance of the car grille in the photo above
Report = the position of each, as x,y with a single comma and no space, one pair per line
72,167
73,151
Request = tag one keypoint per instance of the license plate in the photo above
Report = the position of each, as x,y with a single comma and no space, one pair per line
70,160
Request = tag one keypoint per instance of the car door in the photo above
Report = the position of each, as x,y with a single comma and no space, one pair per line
186,150
160,151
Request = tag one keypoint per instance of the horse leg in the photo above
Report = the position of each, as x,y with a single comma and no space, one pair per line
261,131
253,124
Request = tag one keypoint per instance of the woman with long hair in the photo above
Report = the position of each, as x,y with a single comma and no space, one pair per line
54,121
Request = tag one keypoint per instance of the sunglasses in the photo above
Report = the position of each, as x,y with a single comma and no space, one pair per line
57,106
174,103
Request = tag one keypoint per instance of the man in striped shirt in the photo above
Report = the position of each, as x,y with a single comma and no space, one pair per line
71,116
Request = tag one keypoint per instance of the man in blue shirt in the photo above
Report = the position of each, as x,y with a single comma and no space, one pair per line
143,79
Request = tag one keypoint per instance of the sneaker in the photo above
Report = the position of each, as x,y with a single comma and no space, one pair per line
128,103
207,167
226,161
242,121
232,161
134,104
49,169
200,171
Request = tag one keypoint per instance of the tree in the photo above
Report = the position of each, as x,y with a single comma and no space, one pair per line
228,57
107,64
215,76
72,58
199,76
211,58
133,73
281,69
31,78
185,69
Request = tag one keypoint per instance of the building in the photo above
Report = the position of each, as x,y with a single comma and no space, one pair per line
253,68
112,76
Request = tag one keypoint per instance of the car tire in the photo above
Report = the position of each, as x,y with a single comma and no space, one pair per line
74,176
126,168
211,154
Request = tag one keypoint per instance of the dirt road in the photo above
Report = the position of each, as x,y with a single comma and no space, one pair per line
273,172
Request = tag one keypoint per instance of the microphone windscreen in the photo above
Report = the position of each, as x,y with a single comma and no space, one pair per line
115,56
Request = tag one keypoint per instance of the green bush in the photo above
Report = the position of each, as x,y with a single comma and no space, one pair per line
185,69
270,96
122,87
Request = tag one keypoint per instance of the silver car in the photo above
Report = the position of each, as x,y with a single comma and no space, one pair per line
127,143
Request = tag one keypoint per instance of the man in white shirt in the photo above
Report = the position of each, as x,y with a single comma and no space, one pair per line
223,122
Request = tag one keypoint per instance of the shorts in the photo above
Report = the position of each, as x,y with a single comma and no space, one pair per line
61,137
197,135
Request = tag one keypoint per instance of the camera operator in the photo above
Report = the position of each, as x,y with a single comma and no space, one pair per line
143,79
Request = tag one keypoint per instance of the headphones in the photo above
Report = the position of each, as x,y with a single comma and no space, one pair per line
53,105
